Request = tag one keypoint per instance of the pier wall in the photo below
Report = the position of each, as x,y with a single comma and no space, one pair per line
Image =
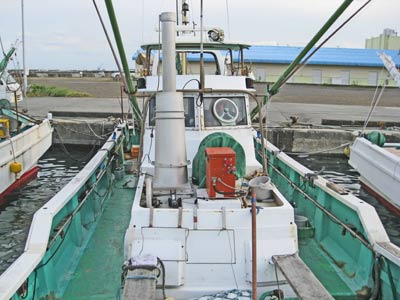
289,139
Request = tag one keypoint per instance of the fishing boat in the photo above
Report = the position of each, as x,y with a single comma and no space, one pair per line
23,140
379,168
378,162
189,201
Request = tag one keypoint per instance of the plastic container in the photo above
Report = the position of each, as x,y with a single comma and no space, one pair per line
301,221
262,187
135,151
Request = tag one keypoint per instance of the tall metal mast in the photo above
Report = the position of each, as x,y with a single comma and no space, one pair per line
25,77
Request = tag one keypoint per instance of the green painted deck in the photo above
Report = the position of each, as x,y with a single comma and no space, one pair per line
324,269
98,273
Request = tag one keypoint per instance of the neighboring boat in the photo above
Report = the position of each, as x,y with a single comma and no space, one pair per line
167,199
379,169
378,162
23,140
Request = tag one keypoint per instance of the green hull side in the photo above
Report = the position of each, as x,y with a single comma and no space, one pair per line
342,263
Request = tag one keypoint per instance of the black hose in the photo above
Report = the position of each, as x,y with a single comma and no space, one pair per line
377,274
163,271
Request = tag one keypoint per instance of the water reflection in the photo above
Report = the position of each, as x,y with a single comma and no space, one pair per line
55,170
340,172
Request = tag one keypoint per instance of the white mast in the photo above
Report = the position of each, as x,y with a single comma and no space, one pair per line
25,79
391,67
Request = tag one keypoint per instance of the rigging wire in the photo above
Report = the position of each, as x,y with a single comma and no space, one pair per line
374,104
302,64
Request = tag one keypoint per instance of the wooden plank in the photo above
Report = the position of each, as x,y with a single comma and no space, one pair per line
301,278
140,284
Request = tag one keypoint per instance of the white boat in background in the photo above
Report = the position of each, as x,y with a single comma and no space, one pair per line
164,211
378,162
23,140
379,169
20,153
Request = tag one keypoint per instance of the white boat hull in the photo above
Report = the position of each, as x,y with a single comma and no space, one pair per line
379,170
26,148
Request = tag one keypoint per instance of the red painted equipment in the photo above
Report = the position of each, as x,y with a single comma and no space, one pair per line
220,172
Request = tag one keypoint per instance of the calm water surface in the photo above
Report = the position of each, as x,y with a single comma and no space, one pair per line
55,170
340,172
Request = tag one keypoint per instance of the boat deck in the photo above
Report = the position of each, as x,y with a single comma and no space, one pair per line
324,269
98,273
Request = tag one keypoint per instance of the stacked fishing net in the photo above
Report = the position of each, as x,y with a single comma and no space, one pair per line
231,295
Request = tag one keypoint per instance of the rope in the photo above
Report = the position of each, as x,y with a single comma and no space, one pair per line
374,104
321,151
64,148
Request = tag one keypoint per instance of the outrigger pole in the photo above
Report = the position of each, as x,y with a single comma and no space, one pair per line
120,46
275,88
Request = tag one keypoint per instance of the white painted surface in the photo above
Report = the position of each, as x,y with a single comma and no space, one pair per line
28,147
217,250
379,169
317,76
39,232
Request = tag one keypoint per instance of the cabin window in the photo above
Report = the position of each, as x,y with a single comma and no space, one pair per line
224,111
188,105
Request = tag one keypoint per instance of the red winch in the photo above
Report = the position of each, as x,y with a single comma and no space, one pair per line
220,172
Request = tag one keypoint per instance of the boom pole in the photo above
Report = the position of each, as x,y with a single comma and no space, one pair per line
6,59
120,46
275,88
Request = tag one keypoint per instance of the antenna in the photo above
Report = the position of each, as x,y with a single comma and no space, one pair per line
202,77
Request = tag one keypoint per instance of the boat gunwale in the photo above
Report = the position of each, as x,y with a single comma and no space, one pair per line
39,233
367,214
16,138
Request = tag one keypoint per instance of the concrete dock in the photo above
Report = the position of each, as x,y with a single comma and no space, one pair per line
88,120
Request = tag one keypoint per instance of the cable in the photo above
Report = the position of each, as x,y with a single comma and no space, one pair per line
64,148
164,275
321,151
323,43
374,104
277,281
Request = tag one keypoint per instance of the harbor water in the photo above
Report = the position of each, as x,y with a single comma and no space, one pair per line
59,166
56,168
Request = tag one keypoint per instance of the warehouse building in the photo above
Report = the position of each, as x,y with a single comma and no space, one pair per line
388,40
341,66
328,66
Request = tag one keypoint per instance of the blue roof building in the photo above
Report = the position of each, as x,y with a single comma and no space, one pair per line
344,66
324,56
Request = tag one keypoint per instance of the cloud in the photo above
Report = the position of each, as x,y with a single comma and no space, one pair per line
67,34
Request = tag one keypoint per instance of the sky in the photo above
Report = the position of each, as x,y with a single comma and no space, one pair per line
66,34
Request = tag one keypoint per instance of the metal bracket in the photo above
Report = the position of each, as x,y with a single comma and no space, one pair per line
310,177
